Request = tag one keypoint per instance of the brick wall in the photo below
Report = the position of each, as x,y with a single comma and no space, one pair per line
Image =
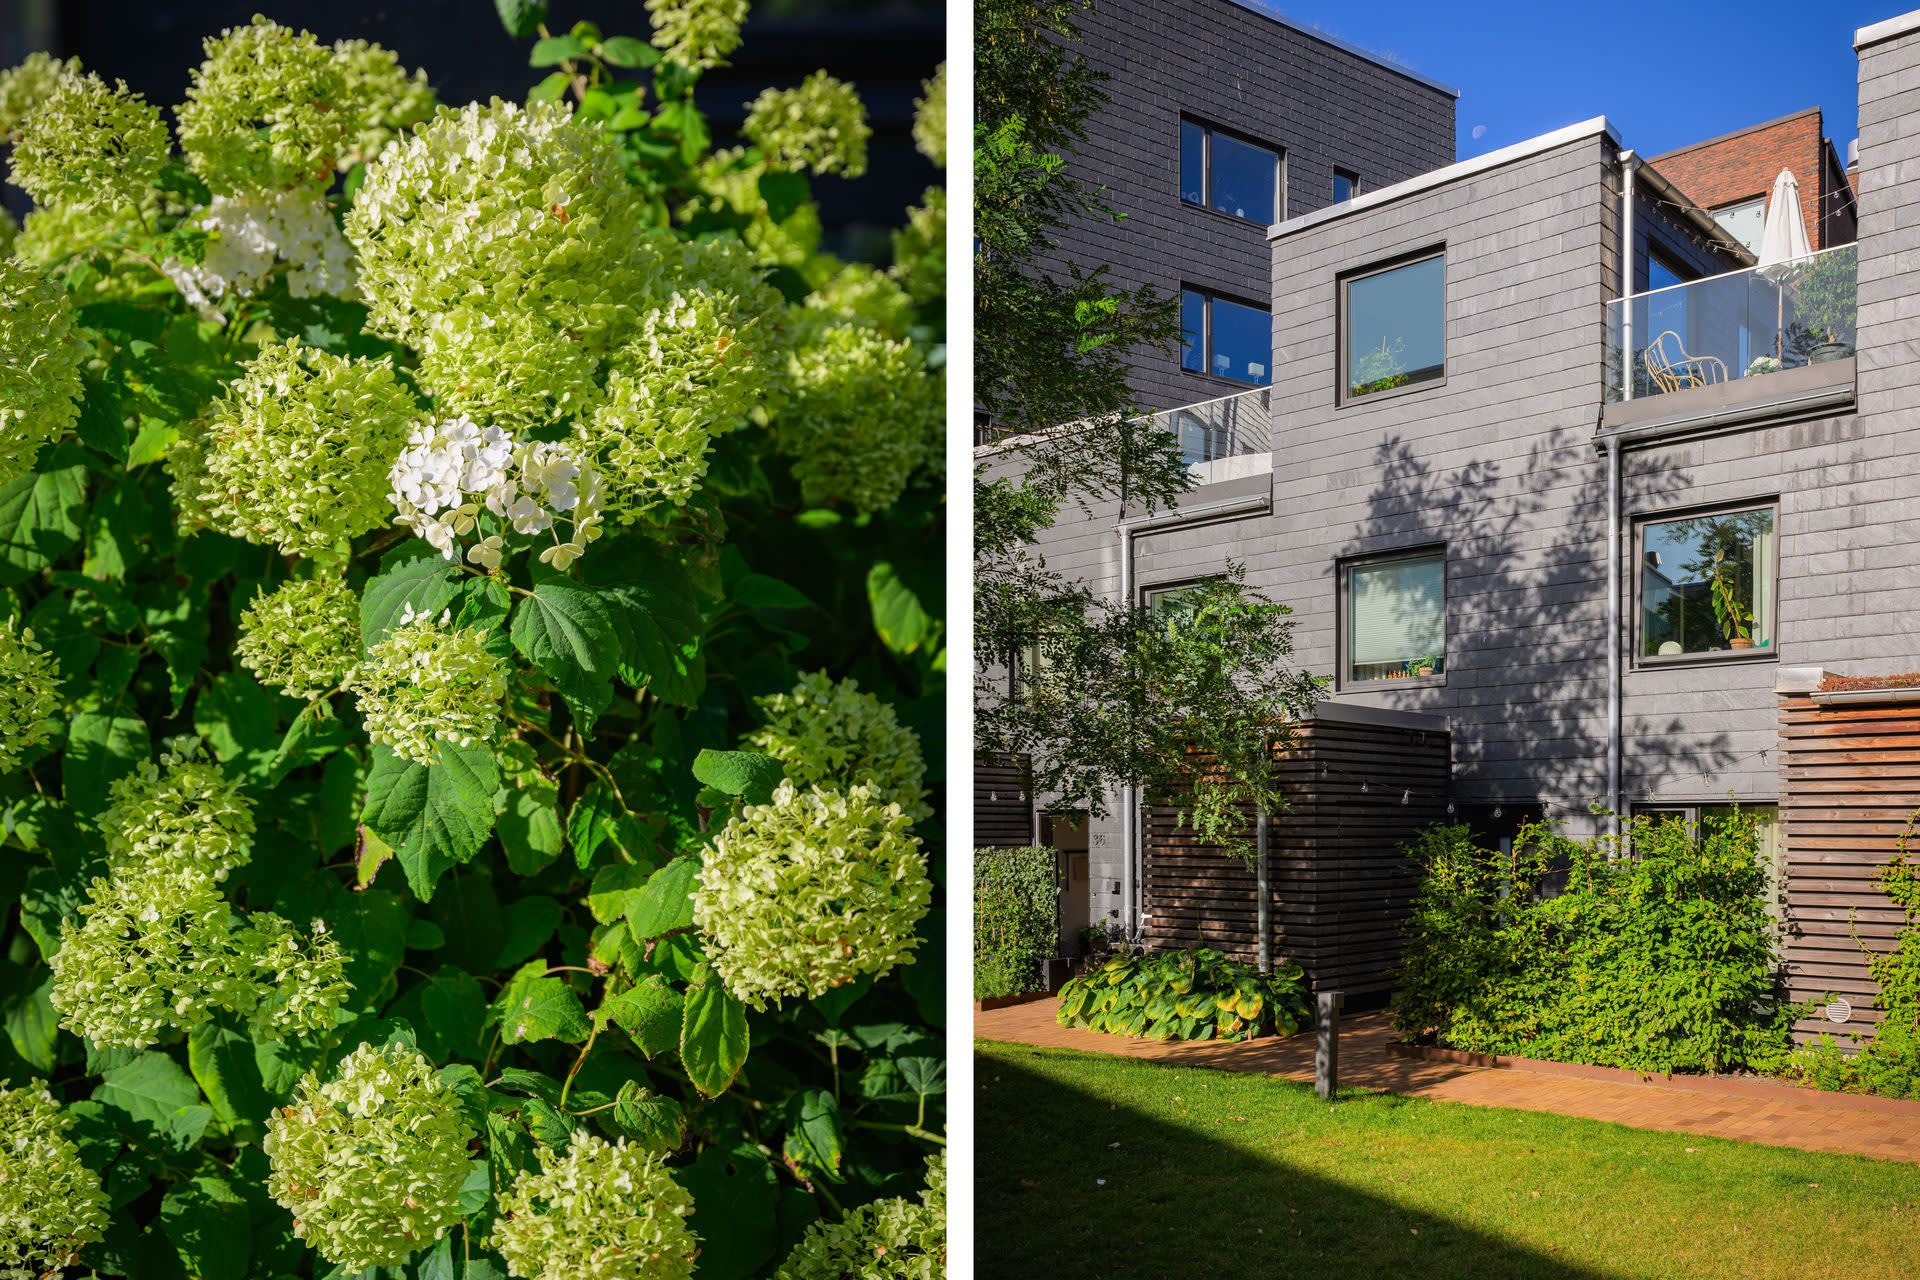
1743,165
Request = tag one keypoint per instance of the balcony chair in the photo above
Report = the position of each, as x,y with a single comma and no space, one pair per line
1672,369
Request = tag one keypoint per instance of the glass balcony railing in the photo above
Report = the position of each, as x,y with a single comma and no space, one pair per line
1216,431
1744,324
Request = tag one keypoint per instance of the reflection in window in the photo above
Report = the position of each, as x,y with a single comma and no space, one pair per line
1395,327
1707,584
1225,173
1224,338
1174,606
1744,220
1396,619
1345,186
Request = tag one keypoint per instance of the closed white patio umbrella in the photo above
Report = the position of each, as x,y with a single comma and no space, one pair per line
1783,242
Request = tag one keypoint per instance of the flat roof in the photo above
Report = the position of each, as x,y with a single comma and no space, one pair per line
1887,29
1305,29
1595,127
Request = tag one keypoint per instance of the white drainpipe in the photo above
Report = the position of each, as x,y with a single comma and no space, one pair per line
1130,796
1629,164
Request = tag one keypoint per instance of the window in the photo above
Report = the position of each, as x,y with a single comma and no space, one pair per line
1766,821
1173,606
1223,172
1395,618
1224,338
1393,327
1744,220
1345,186
1707,584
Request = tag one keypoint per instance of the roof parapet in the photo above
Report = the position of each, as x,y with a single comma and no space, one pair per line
1887,29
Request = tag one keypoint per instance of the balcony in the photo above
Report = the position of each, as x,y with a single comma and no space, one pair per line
1782,332
1225,438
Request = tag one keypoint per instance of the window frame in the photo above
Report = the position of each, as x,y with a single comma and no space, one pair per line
1205,202
1764,199
1343,626
1207,298
1637,558
1343,284
1353,185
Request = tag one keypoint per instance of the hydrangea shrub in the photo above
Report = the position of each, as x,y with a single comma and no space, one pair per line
470,673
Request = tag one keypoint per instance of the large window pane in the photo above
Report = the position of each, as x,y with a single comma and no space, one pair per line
1193,331
1707,584
1744,221
1193,163
1397,618
1244,178
1396,327
1242,342
1344,186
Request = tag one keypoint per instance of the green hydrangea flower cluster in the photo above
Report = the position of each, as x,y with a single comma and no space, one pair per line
370,1163
298,982
863,418
930,119
90,143
506,367
40,357
29,694
828,733
728,187
697,34
386,100
295,453
51,1204
818,127
864,295
180,815
809,892
892,1239
267,110
603,1211
430,682
26,86
920,248
303,636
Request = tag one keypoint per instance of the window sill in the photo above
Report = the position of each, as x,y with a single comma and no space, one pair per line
1685,661
1343,401
1377,686
1234,218
1221,380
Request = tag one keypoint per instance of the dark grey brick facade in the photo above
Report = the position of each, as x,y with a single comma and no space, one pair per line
1244,71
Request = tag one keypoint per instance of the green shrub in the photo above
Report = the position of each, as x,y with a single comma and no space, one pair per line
1658,955
1888,1064
1015,919
1185,995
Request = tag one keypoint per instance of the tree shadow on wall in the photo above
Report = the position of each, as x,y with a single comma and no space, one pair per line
1526,679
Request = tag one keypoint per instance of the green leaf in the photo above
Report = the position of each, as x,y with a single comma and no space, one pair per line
614,889
655,616
814,1140
566,631
535,1007
40,519
552,50
713,1039
435,816
32,1028
735,1192
746,774
550,88
314,735
784,193
413,575
650,1011
530,831
902,624
521,18
529,923
654,1122
101,746
666,903
154,1091
625,51
208,1223
223,1062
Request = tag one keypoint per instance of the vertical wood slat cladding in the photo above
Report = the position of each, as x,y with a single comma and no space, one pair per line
1002,802
1849,783
1340,877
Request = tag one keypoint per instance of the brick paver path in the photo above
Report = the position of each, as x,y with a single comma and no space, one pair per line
1687,1106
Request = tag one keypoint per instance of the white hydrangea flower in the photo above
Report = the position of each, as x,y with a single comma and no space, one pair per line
249,235
455,473
430,682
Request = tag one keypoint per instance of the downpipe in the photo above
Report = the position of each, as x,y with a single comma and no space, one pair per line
1629,167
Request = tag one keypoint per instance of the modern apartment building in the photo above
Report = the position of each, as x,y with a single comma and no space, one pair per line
1550,458
1222,119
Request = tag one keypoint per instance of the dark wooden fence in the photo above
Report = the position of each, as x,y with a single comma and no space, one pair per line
1849,784
1361,783
1002,802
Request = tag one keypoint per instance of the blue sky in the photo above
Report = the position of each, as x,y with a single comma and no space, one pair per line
1664,74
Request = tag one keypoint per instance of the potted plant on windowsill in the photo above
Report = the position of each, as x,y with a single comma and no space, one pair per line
1423,665
1735,618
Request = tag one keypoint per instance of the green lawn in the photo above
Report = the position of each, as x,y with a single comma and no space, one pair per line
1099,1167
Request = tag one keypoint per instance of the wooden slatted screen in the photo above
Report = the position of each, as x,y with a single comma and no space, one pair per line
1002,802
1849,784
1340,878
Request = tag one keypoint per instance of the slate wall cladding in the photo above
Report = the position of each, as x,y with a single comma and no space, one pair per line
1243,71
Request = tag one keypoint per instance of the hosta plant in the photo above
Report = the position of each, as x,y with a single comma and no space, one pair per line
1197,994
470,723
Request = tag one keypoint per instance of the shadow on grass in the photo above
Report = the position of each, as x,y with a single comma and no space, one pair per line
1075,1186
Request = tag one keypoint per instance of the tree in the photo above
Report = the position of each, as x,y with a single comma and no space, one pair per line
1101,694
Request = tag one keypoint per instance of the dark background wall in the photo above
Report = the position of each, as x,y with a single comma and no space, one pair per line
886,48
